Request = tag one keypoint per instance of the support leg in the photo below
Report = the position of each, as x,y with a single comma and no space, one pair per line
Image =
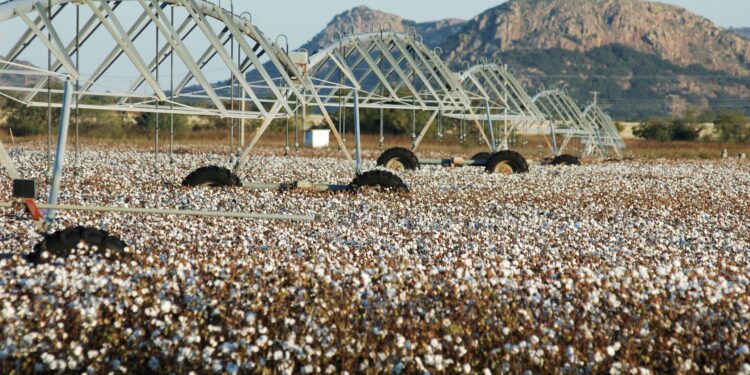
62,139
490,126
357,141
7,163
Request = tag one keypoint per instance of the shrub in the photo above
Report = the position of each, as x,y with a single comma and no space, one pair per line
29,121
732,126
663,130
146,122
682,130
655,129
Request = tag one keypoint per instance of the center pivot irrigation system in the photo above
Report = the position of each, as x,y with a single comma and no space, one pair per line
498,98
170,48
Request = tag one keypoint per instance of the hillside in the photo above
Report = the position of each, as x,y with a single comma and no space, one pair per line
635,52
363,19
667,31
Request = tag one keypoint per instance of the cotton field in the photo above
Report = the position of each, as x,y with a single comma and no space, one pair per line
630,267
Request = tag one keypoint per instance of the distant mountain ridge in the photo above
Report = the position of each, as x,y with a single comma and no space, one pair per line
363,19
741,31
630,50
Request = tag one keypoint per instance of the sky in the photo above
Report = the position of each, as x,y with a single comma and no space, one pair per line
302,19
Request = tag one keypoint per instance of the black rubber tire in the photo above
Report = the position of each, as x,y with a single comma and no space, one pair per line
61,243
407,157
482,156
379,179
515,160
566,160
212,176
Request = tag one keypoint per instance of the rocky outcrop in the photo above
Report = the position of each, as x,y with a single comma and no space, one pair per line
636,52
670,32
363,19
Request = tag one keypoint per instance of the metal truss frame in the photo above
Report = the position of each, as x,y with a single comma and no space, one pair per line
610,136
281,86
382,70
566,120
43,219
393,71
552,110
508,100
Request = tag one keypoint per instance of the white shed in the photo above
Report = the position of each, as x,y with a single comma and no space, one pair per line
317,138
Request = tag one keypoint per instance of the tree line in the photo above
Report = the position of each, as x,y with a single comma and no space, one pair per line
729,126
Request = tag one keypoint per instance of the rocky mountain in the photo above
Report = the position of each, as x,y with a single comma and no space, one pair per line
635,52
363,19
667,31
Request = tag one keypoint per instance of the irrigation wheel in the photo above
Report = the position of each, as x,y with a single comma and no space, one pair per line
379,179
398,159
212,176
507,162
64,243
482,156
566,160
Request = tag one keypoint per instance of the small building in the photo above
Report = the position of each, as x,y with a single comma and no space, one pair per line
317,138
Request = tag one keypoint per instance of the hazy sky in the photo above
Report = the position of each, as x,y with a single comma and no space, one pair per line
301,19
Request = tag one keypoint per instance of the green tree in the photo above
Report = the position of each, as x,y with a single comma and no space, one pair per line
657,129
684,130
28,121
663,129
732,126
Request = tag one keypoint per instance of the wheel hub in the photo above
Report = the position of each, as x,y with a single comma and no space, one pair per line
396,164
504,167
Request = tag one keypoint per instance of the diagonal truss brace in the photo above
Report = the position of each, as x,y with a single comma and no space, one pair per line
210,34
174,40
55,45
112,24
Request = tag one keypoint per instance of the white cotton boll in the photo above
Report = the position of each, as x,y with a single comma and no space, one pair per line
262,341
9,312
366,280
598,356
250,318
400,341
166,307
597,241
612,349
